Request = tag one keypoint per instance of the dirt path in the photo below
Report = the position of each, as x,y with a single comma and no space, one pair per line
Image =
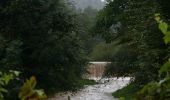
101,91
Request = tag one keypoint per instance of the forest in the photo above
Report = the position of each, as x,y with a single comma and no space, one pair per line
139,30
46,45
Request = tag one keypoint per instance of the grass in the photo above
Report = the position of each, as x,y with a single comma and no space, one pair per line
127,92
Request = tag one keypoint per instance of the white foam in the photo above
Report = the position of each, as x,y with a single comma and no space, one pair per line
97,92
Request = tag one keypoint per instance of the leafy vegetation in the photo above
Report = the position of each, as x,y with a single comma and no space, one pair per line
41,38
128,92
53,41
136,32
104,52
85,21
143,47
48,39
28,91
158,90
5,78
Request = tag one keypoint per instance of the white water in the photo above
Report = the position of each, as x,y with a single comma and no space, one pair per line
102,91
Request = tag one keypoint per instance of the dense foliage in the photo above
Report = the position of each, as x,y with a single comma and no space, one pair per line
47,39
5,79
158,90
85,19
28,91
142,44
38,37
143,51
104,52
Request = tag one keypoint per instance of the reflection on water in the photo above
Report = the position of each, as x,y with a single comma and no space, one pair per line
100,91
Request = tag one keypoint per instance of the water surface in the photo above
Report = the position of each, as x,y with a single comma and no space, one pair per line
102,91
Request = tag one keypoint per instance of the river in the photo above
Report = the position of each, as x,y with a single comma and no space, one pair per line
101,91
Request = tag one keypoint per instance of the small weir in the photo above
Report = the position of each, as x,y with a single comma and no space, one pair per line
101,91
96,70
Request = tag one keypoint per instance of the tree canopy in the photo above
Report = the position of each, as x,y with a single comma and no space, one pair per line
38,37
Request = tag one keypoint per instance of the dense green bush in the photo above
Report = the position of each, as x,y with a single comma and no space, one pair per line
159,90
128,92
104,51
38,38
123,62
143,50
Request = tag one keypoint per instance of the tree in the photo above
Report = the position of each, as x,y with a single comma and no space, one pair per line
39,38
85,21
138,32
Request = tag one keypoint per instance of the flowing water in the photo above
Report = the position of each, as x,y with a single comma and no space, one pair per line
101,91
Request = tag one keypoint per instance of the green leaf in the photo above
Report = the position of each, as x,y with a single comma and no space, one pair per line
7,77
166,79
41,93
2,82
157,14
165,68
3,90
28,91
157,17
163,27
16,73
